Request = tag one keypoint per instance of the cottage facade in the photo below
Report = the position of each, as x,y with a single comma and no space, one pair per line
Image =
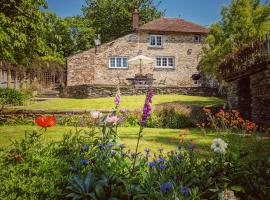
174,44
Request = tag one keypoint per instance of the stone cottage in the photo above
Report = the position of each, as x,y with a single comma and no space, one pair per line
174,44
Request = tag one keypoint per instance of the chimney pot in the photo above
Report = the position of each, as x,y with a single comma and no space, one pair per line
135,20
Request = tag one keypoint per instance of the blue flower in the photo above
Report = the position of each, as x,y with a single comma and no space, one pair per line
122,146
147,150
162,167
85,148
151,164
165,187
101,146
185,190
161,159
84,161
110,145
113,153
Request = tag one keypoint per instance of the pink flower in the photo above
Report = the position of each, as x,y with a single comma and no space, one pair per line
117,98
96,114
113,119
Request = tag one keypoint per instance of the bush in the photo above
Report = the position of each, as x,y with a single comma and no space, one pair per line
11,97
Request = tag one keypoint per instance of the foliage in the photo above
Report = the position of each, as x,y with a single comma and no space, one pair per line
105,15
226,121
242,22
11,97
21,28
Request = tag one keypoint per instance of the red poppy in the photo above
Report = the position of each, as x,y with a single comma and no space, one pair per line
45,121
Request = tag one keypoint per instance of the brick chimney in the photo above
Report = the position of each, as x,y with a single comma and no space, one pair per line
135,20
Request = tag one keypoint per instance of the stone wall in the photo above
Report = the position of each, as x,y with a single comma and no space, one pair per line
260,96
91,67
94,91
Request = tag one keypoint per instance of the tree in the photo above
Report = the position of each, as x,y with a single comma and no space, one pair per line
242,22
21,28
113,18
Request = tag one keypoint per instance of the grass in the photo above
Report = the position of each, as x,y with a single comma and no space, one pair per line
152,138
128,102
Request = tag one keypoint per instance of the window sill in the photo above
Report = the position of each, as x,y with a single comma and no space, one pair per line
164,68
118,68
155,47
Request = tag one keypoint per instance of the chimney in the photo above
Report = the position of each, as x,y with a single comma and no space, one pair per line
135,20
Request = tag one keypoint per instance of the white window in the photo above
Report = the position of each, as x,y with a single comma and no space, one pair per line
156,41
197,38
118,62
165,62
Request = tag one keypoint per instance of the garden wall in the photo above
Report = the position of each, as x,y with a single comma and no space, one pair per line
93,91
254,95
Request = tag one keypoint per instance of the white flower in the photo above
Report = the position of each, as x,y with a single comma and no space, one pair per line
96,114
219,146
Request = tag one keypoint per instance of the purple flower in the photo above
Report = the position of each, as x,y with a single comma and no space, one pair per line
161,167
165,187
85,148
147,106
84,161
185,190
117,98
122,146
191,147
113,153
151,164
110,145
147,150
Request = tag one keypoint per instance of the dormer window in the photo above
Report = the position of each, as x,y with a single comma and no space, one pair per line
197,38
156,41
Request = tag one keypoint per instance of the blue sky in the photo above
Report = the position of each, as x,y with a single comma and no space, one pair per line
204,12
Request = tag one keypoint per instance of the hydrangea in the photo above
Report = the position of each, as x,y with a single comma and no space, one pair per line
84,161
185,190
165,187
85,148
96,114
219,145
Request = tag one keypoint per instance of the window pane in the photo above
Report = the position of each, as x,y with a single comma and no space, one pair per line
171,62
152,40
164,62
112,60
159,40
125,62
119,62
158,62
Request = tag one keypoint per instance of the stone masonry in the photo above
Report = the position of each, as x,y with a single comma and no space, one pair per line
90,67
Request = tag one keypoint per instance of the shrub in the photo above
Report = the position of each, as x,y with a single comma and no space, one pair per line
11,97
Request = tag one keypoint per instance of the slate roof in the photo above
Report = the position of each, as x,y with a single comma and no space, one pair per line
173,25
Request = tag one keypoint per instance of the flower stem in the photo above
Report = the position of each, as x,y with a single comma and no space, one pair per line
136,151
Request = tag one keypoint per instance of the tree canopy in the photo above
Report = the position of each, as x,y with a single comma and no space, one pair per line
113,18
242,22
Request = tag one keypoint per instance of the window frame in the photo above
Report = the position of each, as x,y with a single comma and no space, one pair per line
116,58
199,38
155,36
162,61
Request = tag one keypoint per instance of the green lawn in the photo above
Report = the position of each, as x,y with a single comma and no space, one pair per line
128,102
152,138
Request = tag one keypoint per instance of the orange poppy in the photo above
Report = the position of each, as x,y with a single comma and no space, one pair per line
45,121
